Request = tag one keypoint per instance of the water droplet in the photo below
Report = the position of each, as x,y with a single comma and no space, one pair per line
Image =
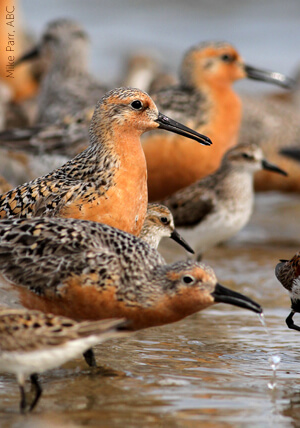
274,360
272,385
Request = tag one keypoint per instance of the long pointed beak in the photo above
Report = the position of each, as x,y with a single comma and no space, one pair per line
224,295
32,54
270,167
291,152
171,125
269,76
179,239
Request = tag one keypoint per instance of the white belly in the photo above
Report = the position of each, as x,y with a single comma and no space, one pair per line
216,228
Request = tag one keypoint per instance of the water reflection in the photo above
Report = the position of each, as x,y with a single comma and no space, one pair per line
210,369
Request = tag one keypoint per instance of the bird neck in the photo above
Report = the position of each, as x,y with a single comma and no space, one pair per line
73,62
235,182
150,236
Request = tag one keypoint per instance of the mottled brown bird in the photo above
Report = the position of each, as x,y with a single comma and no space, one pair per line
32,342
107,182
288,273
91,271
158,224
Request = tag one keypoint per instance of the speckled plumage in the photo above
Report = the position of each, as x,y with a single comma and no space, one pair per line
215,208
22,330
288,274
154,229
159,223
32,342
89,270
107,182
86,179
57,248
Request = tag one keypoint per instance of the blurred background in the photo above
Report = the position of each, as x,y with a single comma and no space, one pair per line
266,33
211,369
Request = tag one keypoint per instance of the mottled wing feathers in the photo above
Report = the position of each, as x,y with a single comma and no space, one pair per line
22,330
40,197
44,253
182,104
190,206
66,138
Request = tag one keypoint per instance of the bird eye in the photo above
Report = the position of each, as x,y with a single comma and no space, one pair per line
227,58
188,279
246,156
164,220
49,38
137,105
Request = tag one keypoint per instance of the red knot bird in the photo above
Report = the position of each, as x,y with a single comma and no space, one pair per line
107,182
89,271
205,101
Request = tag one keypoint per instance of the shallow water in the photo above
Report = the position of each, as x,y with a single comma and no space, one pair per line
210,369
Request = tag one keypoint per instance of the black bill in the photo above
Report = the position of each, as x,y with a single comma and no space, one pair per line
179,239
270,167
269,76
32,54
224,295
291,152
171,125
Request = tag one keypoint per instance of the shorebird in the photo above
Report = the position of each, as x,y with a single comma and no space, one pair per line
204,100
27,153
67,87
215,208
91,271
145,70
288,274
33,342
107,182
159,223
275,127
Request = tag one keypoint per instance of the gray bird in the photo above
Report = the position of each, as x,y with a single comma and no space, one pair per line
215,208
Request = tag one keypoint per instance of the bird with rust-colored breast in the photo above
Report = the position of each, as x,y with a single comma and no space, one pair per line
90,271
206,101
107,182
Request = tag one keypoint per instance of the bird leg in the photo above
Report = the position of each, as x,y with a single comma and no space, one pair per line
38,390
23,403
89,357
290,323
